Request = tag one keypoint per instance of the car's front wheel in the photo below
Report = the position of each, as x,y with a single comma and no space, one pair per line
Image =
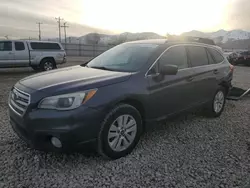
120,132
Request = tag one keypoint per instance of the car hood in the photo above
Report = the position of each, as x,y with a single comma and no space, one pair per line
77,77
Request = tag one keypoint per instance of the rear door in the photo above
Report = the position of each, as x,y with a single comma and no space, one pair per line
218,64
204,76
6,54
21,54
171,93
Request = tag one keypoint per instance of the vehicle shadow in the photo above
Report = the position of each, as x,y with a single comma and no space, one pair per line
170,131
22,71
32,158
173,124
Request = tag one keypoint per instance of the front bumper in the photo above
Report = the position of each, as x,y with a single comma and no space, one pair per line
74,128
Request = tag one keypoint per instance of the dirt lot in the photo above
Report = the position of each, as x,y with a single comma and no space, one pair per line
189,151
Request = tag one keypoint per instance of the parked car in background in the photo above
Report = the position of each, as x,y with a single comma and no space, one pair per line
110,101
40,55
243,58
232,57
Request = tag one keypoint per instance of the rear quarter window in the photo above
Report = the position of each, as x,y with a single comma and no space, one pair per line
45,46
217,56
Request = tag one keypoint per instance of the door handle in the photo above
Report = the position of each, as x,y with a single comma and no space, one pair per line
190,79
216,71
10,52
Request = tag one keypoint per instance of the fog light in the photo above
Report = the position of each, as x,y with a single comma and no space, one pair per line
56,142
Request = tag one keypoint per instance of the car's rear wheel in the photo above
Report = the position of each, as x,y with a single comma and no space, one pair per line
47,64
216,107
120,132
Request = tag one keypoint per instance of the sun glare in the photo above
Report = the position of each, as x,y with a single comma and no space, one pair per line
161,16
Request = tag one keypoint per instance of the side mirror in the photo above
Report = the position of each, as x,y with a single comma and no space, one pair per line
168,69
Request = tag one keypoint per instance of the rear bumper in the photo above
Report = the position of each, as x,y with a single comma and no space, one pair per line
75,129
62,61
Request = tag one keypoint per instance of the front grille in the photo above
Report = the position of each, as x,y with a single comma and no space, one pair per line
19,101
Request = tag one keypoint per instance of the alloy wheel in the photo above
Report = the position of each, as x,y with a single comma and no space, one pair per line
48,66
122,133
219,100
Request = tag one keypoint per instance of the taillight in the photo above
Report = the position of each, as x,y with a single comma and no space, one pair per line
231,67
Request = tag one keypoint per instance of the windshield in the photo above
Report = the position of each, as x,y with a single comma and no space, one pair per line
126,57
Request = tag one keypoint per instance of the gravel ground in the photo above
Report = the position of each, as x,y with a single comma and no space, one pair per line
188,151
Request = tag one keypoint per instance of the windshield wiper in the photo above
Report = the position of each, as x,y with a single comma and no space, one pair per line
102,68
84,64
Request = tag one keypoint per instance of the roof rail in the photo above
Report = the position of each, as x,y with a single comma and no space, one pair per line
191,39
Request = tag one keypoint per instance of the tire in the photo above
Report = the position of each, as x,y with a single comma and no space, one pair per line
36,68
47,64
114,143
214,109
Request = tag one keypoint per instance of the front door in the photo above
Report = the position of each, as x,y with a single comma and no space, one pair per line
171,93
6,54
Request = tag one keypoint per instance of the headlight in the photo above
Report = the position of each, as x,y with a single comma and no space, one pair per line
67,101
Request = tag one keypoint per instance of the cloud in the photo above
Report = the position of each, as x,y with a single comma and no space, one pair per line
18,23
18,19
44,7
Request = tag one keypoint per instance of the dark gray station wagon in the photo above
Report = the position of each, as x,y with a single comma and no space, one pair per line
109,101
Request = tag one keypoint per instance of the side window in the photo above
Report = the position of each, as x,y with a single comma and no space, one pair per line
210,58
197,55
175,56
6,46
217,56
19,46
45,46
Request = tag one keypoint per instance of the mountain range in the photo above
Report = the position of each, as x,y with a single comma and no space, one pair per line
234,39
221,36
106,39
237,39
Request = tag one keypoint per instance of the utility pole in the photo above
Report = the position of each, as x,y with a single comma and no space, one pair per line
65,34
79,46
39,29
59,19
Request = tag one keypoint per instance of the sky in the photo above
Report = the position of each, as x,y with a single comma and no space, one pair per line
19,17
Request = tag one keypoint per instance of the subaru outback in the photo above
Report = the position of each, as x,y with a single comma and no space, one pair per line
109,101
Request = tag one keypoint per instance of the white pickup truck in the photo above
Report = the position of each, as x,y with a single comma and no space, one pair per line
40,55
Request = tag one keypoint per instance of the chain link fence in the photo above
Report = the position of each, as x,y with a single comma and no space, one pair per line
85,50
